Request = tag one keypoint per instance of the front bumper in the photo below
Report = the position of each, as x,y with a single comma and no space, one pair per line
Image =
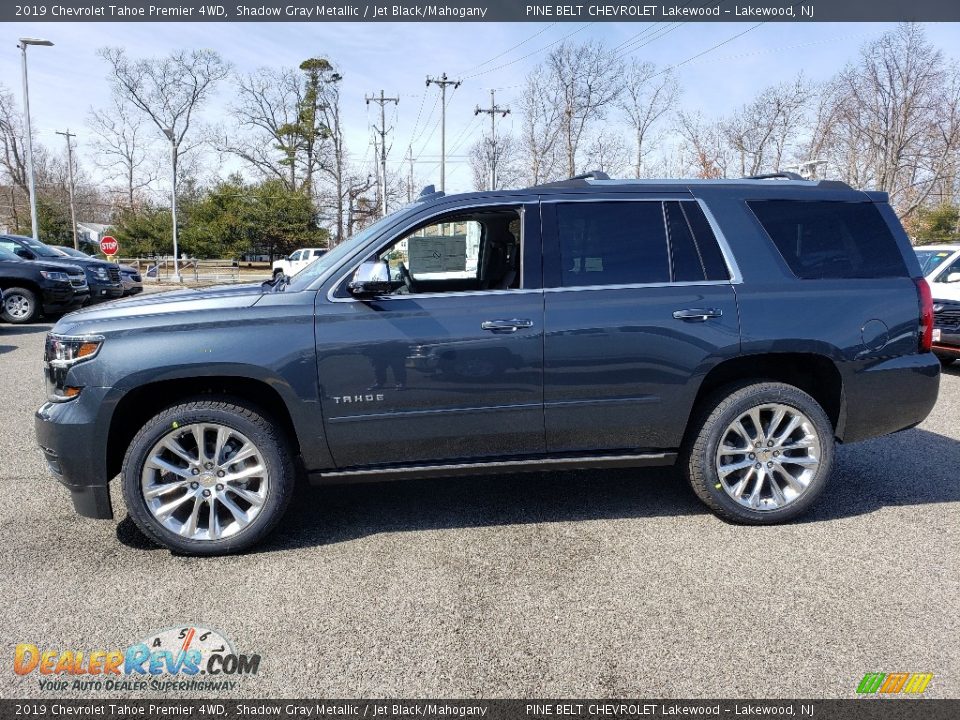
948,344
73,438
63,298
102,292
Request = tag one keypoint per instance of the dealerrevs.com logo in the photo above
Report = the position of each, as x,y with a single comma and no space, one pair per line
175,659
894,683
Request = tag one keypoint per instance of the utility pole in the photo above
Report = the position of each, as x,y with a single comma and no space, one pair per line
443,82
493,111
73,212
382,102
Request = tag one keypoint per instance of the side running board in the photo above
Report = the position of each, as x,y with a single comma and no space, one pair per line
579,462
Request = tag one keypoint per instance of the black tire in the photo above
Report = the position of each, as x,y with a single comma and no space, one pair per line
717,413
239,416
946,360
24,298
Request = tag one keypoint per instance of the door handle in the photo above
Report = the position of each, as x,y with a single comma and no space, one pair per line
698,314
505,326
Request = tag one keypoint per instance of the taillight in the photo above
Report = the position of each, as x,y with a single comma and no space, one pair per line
926,314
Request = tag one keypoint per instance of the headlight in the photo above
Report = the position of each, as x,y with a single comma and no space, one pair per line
60,354
101,273
55,276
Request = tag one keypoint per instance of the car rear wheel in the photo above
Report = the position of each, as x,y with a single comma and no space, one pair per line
207,477
762,453
19,306
946,360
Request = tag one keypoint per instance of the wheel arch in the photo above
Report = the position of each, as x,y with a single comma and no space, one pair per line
141,403
815,374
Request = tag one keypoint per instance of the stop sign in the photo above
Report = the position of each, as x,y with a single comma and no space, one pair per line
109,245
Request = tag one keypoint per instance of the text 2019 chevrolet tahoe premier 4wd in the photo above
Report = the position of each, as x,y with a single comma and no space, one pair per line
737,328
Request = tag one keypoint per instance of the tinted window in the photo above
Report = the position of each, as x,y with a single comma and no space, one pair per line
684,256
710,254
831,239
930,260
612,243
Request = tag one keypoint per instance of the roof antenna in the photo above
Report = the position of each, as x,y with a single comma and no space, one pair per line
592,175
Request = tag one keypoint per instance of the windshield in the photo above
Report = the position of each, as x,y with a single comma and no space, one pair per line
331,259
40,249
71,252
930,260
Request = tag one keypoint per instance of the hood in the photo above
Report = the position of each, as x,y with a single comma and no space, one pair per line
165,303
91,263
64,267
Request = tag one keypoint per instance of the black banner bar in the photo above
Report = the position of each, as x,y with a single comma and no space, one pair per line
479,11
853,709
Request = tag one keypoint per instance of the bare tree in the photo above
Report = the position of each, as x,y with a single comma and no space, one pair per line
120,148
12,140
897,118
267,110
168,90
504,151
586,80
765,130
609,152
649,96
540,109
705,151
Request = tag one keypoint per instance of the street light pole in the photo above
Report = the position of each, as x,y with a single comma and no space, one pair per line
35,228
173,200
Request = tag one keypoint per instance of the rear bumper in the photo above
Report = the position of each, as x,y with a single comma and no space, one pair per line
73,442
888,396
949,343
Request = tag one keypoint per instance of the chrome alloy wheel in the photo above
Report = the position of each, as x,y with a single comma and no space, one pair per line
17,306
204,481
768,456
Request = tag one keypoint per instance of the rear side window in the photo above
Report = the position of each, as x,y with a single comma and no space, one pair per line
822,239
694,251
612,243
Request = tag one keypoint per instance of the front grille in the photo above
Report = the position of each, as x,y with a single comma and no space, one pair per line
78,281
948,316
114,272
135,278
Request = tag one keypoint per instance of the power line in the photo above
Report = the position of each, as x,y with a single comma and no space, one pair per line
528,55
509,50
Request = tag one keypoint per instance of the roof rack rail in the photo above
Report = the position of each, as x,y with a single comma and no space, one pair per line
783,175
592,175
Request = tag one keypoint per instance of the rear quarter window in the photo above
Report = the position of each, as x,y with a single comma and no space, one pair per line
827,239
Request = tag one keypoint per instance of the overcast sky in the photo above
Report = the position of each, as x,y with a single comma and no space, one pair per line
68,79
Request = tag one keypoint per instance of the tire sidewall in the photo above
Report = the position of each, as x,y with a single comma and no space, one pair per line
716,426
270,445
28,296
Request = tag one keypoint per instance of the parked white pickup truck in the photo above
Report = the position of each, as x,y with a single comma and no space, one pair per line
296,261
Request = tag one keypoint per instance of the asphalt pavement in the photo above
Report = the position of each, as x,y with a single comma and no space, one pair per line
586,584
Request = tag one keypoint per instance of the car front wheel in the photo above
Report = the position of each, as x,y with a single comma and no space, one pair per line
762,453
207,477
19,306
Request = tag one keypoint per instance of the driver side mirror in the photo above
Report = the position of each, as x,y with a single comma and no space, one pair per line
370,279
953,277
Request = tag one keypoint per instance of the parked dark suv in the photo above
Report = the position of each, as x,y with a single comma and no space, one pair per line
103,278
735,328
30,289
